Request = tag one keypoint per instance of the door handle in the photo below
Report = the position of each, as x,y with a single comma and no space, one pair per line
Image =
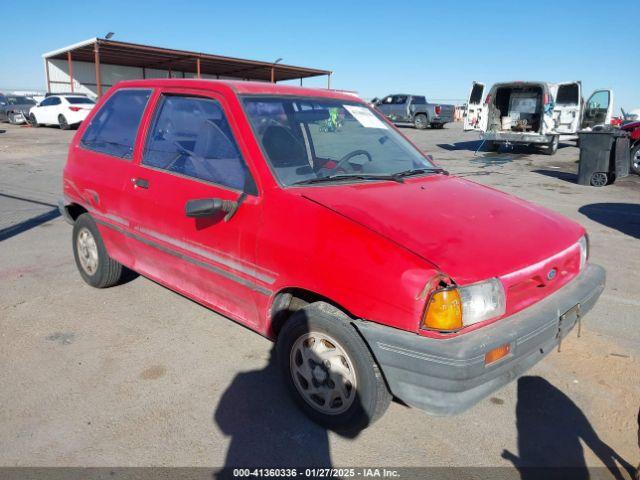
140,182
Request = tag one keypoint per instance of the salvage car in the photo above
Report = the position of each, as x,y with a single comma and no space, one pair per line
15,108
65,111
375,271
415,110
634,140
534,113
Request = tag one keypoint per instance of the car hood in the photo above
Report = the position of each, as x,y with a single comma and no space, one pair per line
469,231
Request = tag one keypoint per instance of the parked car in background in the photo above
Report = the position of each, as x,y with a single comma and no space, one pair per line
65,111
534,113
375,271
414,109
15,108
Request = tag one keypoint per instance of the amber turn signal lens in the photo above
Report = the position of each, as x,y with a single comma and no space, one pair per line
444,311
496,354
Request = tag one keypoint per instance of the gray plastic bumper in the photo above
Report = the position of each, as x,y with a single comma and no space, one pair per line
448,376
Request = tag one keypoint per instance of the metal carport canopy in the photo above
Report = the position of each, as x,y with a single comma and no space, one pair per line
103,51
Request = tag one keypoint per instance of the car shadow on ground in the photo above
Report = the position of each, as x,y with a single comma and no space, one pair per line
560,175
624,217
475,145
265,426
551,432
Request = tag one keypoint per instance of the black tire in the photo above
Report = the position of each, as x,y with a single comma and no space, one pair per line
371,396
420,121
635,159
552,147
62,121
33,121
108,272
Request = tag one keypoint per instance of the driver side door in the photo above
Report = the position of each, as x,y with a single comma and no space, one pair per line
598,109
190,151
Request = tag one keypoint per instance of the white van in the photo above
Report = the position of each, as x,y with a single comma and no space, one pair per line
534,113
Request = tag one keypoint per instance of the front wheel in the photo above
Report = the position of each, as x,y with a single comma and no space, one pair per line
33,121
635,159
95,265
329,370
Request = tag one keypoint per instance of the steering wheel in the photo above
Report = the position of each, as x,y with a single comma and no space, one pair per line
344,160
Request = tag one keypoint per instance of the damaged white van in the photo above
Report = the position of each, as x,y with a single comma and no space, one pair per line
534,113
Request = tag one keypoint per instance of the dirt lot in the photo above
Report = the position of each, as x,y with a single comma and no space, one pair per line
137,375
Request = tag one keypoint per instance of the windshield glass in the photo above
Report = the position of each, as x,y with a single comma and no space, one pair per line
309,138
19,100
77,100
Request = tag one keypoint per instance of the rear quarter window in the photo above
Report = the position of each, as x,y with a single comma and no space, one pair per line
114,128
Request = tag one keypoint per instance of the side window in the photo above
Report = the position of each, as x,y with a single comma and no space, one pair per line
114,128
55,101
400,99
476,94
46,102
599,100
191,136
568,95
388,100
419,101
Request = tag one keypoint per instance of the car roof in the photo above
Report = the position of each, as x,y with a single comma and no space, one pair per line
238,87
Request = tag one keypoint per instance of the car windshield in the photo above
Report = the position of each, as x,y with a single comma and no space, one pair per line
77,100
310,140
20,100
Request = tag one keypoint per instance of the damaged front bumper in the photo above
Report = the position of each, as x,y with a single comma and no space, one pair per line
448,376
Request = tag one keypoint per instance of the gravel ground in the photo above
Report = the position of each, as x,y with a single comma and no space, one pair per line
137,375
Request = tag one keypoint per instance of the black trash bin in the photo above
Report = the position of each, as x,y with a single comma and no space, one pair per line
604,156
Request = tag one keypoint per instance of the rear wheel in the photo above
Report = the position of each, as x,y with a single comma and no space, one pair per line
95,265
62,121
420,121
599,179
635,159
329,370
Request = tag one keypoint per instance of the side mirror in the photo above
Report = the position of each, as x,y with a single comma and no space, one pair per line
207,207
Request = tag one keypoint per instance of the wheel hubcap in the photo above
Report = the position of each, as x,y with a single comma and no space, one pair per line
323,373
599,179
636,160
87,251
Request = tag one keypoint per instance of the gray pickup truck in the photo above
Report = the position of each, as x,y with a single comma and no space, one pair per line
414,109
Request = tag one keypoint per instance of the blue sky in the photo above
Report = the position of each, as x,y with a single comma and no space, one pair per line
373,47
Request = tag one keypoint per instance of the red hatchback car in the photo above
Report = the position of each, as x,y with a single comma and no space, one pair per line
306,216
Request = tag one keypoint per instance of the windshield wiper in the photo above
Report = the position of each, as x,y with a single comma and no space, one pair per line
349,176
419,171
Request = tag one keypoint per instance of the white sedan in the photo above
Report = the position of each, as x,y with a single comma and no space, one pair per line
66,111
